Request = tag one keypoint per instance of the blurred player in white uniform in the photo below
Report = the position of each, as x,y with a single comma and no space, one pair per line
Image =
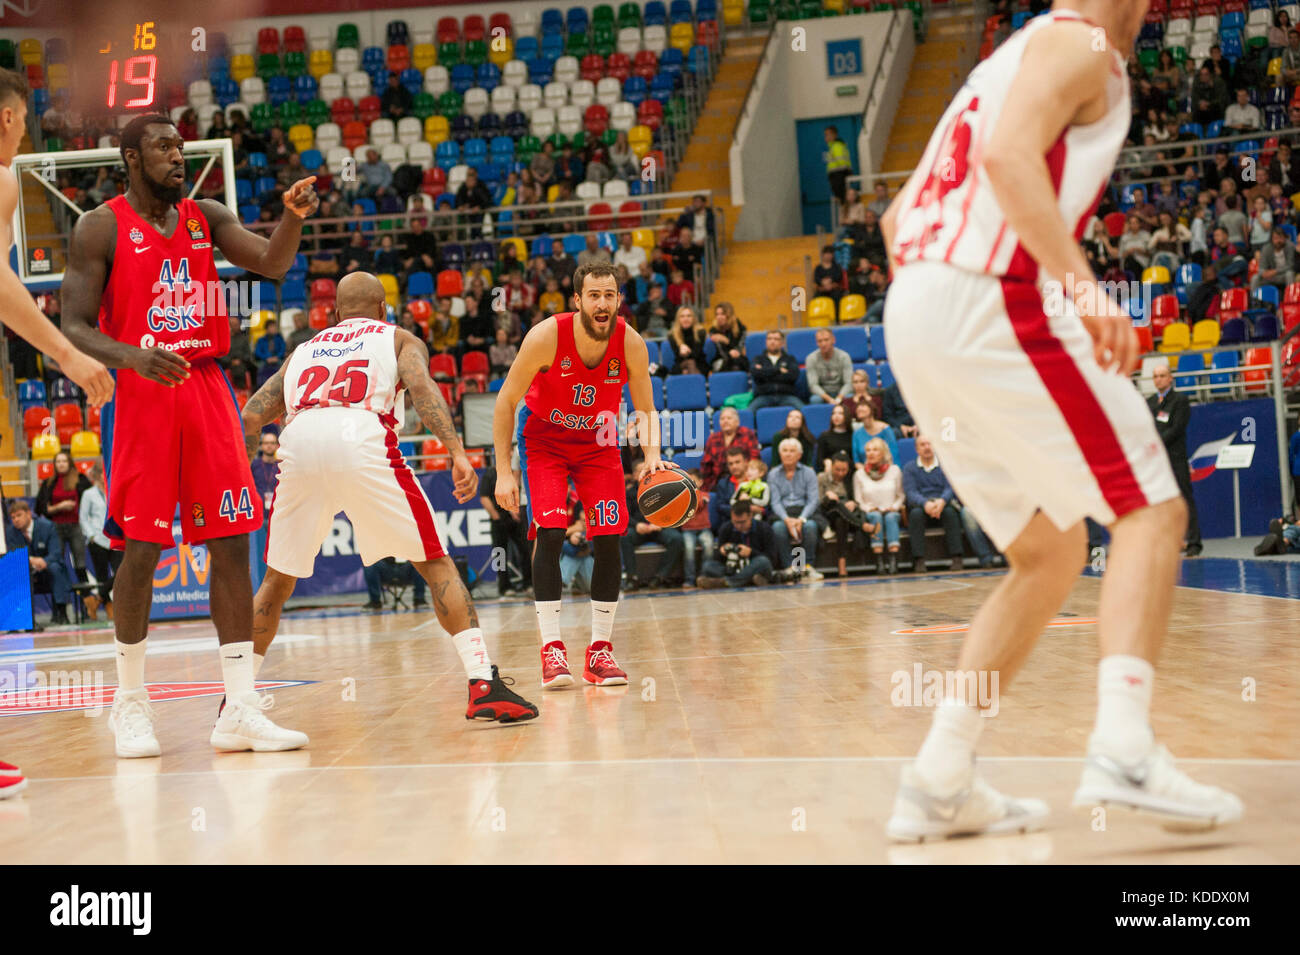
339,452
1017,368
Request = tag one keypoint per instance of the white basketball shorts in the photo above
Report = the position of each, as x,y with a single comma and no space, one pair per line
346,459
1021,416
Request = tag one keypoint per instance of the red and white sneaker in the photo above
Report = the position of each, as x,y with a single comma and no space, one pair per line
9,769
555,666
602,669
11,786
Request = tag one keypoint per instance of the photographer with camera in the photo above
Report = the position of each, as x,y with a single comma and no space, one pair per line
576,558
746,552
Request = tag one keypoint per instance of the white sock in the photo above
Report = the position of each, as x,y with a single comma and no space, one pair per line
548,619
473,654
1123,727
258,660
130,665
237,669
602,619
946,755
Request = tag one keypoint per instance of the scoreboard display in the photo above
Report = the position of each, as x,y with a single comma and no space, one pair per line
132,75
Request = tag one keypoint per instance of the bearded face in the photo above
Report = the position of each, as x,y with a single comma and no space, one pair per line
598,306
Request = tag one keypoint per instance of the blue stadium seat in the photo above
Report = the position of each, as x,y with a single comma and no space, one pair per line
243,191
680,12
877,334
801,342
1214,130
765,453
635,90
755,344
225,91
818,418
305,89
452,256
257,161
688,460
312,159
685,392
654,14
249,213
293,293
1221,381
884,375
1188,275
488,76
31,392
768,422
419,283
801,385
462,77
574,243
526,47
577,20
746,418
853,339
1233,332
372,56
541,68
541,245
657,389
661,87
475,150
462,128
264,186
1188,364
1269,293
552,20
906,451
1266,329
412,80
368,207
724,384
663,353
671,62
447,154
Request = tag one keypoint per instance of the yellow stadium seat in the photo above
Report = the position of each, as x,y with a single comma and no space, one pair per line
436,130
733,12
644,238
833,6
1205,334
853,308
552,191
302,136
29,52
319,63
521,250
821,311
423,56
641,139
391,291
58,77
682,36
257,325
85,445
1177,337
45,447
242,67
1275,66
1157,274
501,51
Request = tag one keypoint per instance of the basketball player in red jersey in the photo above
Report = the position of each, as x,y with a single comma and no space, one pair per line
1002,343
570,373
18,309
142,267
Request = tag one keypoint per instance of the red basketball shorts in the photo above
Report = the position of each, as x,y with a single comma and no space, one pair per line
551,458
181,445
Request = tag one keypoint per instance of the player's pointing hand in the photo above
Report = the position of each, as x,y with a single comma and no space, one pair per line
301,198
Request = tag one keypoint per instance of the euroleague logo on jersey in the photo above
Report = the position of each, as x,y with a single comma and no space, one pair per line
196,233
612,372
197,515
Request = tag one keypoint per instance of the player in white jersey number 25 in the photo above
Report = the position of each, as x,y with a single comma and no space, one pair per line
339,452
1027,399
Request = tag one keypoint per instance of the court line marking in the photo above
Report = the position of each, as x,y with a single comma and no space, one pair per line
645,761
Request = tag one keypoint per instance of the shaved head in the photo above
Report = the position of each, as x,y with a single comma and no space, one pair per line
359,295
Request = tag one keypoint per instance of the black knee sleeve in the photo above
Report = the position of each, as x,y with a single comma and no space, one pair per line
546,563
607,567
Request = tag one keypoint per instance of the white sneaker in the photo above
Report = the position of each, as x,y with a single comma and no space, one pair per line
243,725
131,721
975,809
1156,787
812,573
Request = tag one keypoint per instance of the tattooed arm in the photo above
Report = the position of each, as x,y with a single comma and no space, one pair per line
413,370
263,408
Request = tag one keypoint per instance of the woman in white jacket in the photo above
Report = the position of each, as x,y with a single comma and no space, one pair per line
104,560
878,489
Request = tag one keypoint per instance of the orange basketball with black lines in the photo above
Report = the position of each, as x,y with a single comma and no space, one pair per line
667,498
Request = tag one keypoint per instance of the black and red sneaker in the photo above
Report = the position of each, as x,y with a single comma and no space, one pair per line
494,700
601,668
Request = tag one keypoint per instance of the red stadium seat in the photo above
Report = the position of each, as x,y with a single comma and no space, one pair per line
595,120
369,109
399,58
1292,294
1114,224
433,446
629,214
44,470
450,283
268,40
645,63
650,113
66,432
343,111
474,29
438,464
295,40
1145,341
474,364
92,418
618,66
318,319
472,384
355,134
592,67
323,290
68,415
435,178
448,30
1290,316
1232,302
501,20
36,421
448,393
1257,380
477,458
600,217
421,310
706,33
442,366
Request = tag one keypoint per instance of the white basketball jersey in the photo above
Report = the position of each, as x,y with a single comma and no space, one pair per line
352,365
949,213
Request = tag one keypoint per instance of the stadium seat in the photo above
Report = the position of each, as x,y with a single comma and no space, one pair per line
685,393
1177,337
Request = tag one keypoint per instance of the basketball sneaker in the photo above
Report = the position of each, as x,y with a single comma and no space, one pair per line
131,721
601,668
9,769
1155,787
974,809
555,666
243,725
494,700
11,786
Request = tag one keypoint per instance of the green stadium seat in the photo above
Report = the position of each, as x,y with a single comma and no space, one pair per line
603,40
629,15
268,65
295,64
759,11
423,105
261,117
526,147
450,104
602,14
579,45
449,54
476,52
317,112
8,53
289,113
347,36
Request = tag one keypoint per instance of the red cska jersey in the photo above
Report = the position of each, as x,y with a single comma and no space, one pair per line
165,292
570,399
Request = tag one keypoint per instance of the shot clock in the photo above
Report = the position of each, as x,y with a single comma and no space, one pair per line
133,73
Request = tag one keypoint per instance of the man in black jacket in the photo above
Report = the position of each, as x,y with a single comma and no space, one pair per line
895,413
775,373
1173,412
745,553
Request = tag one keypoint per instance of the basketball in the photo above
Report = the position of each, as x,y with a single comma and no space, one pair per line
667,498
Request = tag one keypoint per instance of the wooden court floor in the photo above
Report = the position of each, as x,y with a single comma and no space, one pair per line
758,727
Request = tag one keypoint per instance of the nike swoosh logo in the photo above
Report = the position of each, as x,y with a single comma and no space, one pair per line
131,518
145,249
602,611
567,374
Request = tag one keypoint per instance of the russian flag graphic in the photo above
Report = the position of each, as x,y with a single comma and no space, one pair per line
1202,459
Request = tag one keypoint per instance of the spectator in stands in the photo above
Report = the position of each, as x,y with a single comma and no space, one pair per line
1279,203
837,437
1209,97
828,268
501,354
640,531
730,434
303,332
1291,59
930,503
979,541
444,333
896,414
697,532
728,336
386,260
746,552
878,490
859,391
853,213
576,559
1165,77
551,301
681,290
1227,258
290,172
797,428
266,471
1198,246
59,501
278,148
419,248
103,559
869,241
1166,199
1276,263
826,288
238,361
754,488
868,426
876,299
391,571
472,199
593,254
1173,412
880,201
1242,116
794,506
269,352
1261,223
829,370
543,168
652,315
629,255
538,271
569,168
1204,294
687,253
218,129
838,164
376,175
509,531
648,276
477,329
699,219
406,321
397,100
724,489
1277,35
520,297
49,574
1167,243
356,255
1134,246
561,265
687,340
622,160
845,524
774,374
511,323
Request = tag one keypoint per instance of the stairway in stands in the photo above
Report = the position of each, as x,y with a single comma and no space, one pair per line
939,67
